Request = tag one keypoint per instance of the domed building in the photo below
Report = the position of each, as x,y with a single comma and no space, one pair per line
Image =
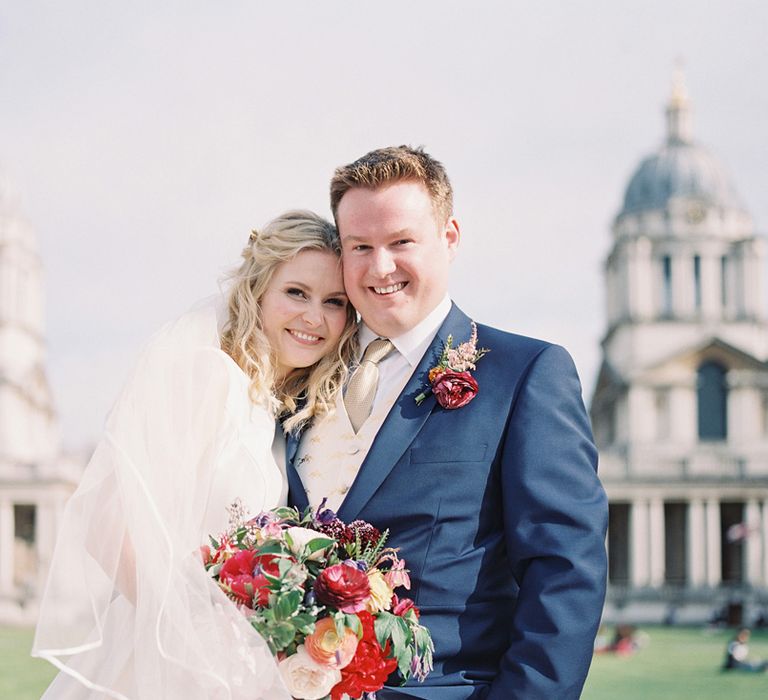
34,480
680,410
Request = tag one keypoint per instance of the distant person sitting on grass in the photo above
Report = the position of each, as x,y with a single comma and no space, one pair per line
737,653
624,642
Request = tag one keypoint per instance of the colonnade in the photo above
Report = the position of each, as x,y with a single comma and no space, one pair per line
703,542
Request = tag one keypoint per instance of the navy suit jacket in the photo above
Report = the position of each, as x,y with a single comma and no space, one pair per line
498,511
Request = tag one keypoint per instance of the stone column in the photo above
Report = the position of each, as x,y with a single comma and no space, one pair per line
639,531
753,546
7,528
656,541
641,280
710,286
714,553
697,544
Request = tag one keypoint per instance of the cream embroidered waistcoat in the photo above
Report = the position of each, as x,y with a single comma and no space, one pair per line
330,454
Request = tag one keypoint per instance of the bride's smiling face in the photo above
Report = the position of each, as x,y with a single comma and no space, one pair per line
304,309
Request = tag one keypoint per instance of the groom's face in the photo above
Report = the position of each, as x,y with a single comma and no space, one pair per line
396,254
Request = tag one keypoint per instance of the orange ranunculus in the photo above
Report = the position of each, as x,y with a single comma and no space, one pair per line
327,648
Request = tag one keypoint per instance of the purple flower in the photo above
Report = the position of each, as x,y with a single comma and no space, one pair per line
324,515
263,519
360,565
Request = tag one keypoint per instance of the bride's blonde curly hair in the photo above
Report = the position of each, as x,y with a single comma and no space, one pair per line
308,391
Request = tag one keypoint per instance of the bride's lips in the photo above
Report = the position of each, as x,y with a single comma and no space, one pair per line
304,338
388,290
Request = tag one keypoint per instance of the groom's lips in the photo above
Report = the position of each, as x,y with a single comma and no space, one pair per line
388,290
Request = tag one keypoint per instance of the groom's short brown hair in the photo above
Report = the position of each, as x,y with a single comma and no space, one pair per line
395,164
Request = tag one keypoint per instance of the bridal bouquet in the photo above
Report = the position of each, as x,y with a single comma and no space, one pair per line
322,594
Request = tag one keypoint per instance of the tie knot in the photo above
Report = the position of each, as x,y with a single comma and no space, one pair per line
377,350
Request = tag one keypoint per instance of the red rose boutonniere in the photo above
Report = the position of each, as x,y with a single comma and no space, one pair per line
450,380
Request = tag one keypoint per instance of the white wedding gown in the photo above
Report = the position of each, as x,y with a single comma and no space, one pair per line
129,611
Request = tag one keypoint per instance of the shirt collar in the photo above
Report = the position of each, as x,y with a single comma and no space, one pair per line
413,343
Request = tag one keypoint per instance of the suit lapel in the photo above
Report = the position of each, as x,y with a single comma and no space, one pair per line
295,486
403,422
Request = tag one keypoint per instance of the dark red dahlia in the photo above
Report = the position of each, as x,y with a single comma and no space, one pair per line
368,534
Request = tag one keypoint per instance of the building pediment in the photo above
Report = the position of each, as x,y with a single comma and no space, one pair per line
683,364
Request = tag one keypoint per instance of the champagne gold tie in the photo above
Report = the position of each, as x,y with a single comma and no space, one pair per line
362,385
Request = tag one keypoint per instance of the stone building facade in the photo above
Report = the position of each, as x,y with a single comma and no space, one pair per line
680,410
35,480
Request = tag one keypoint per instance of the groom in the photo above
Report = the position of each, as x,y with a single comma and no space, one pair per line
495,505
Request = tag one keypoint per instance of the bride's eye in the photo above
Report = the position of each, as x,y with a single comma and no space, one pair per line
295,292
337,301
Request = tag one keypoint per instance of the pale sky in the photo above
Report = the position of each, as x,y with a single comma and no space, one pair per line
147,138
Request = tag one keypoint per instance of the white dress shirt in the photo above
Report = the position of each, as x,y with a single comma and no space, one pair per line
396,369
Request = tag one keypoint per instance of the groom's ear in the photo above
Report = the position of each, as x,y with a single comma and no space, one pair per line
452,236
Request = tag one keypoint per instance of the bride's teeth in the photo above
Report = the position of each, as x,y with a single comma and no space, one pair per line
388,290
304,336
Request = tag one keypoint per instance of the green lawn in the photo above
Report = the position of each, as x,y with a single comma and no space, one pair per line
677,663
21,676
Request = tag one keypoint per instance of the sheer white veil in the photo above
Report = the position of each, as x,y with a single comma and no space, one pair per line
129,611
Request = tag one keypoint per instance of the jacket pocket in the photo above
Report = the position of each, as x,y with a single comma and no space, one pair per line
465,452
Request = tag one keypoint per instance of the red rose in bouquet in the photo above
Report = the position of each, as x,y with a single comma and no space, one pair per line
370,666
343,586
454,389
243,575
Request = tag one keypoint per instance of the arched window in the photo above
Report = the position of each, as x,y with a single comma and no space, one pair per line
712,401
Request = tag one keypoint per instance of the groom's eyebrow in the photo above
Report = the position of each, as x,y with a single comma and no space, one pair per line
391,234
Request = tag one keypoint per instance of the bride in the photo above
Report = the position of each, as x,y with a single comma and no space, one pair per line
129,611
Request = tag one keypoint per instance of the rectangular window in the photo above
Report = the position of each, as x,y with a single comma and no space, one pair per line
697,282
666,274
662,414
618,544
24,555
733,532
675,543
765,412
724,280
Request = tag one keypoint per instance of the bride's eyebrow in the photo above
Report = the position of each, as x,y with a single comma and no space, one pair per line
337,294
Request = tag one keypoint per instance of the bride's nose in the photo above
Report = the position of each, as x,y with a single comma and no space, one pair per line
312,316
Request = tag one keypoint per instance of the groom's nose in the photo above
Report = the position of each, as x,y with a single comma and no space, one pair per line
382,263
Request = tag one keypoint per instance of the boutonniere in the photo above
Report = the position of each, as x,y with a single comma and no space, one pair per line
450,379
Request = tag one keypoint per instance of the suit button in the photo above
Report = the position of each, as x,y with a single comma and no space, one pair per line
353,450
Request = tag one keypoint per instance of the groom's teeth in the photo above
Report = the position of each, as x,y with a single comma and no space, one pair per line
305,336
388,290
